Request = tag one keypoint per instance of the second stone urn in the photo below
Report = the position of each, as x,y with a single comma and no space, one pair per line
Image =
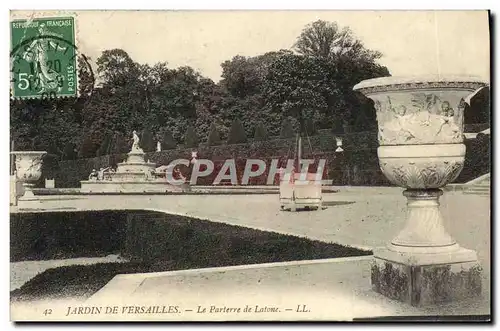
420,133
28,171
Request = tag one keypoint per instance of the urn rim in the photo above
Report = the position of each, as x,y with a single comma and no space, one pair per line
400,83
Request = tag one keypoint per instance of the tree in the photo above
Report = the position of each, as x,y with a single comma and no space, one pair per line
287,130
69,152
119,144
53,149
240,76
213,136
86,79
337,125
243,85
319,86
104,148
116,68
260,132
209,107
190,138
299,86
243,76
87,148
130,96
364,121
119,104
479,110
237,133
168,141
328,41
42,125
350,62
310,128
147,143
171,98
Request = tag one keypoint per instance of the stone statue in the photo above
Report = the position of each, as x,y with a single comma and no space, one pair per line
135,144
339,145
93,175
194,155
100,173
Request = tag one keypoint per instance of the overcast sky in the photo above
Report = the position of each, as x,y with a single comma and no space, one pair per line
413,42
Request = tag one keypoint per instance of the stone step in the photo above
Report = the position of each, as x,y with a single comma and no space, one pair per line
480,180
479,186
477,189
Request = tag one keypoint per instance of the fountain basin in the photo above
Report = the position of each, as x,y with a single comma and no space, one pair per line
132,176
116,186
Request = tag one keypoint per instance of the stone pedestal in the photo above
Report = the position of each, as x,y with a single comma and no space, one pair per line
424,231
423,265
428,279
28,200
16,190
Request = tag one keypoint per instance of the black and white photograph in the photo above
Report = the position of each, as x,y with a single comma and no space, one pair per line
250,165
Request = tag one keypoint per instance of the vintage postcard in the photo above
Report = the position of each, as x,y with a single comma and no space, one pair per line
250,165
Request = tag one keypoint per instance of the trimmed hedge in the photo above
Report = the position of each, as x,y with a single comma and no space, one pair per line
43,236
477,158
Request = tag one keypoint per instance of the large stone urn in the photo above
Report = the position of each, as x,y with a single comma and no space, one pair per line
28,171
420,133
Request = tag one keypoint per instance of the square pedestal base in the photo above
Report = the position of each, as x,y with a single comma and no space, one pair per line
419,282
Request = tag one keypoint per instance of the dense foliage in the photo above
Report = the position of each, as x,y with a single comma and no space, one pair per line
278,93
180,106
213,137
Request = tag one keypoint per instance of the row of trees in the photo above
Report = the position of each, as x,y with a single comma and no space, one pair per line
307,87
118,144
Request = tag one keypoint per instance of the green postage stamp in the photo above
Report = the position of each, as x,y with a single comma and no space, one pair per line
43,58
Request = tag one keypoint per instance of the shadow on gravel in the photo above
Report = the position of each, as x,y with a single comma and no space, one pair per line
336,203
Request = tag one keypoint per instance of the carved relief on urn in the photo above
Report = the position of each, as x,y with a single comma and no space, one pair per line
426,117
421,166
